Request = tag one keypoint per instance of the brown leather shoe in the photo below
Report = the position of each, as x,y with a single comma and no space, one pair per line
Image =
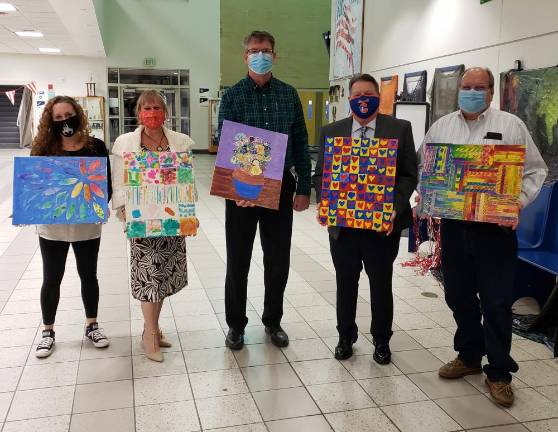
457,369
501,392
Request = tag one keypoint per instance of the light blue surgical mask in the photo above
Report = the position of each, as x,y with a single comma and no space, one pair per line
260,63
472,101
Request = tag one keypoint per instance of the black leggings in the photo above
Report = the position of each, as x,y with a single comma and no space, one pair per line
54,255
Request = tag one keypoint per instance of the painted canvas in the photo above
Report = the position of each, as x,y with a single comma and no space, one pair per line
249,165
358,183
161,194
388,94
445,90
347,52
478,183
60,190
532,95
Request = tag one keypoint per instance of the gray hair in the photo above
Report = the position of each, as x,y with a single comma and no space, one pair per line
485,69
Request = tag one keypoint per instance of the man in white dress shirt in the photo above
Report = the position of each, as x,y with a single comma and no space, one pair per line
479,259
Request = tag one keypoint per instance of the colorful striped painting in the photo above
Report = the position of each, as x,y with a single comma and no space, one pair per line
161,194
480,183
60,190
358,183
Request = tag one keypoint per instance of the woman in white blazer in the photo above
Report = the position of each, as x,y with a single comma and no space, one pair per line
158,264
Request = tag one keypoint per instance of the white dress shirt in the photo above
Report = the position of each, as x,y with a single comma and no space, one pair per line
455,129
357,129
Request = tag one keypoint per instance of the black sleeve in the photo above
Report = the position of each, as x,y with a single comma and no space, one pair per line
318,171
101,150
407,169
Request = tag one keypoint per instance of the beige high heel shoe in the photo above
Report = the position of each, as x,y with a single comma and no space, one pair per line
156,356
163,343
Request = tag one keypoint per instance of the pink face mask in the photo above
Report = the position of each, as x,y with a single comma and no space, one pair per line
152,119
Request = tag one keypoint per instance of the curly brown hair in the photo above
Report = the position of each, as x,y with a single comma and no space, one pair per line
49,143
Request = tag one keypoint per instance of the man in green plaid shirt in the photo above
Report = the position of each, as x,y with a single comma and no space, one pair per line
262,101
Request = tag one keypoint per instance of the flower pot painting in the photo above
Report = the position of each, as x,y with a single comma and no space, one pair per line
249,165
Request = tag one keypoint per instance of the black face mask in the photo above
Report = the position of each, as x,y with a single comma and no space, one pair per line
66,127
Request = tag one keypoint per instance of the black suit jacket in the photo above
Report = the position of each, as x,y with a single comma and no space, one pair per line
407,166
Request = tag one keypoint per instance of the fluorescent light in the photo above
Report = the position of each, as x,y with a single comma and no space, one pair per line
7,7
29,34
49,50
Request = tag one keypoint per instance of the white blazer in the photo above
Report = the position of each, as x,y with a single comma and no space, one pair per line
131,142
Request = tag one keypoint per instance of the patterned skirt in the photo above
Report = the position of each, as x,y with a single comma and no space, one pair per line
158,267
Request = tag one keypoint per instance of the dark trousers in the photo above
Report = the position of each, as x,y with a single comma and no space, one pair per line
275,236
478,264
377,252
54,254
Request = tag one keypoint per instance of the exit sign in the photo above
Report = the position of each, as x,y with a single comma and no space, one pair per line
149,61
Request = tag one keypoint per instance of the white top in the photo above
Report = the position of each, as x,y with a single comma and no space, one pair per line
357,129
455,129
131,142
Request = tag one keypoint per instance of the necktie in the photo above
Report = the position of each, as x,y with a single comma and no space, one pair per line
363,132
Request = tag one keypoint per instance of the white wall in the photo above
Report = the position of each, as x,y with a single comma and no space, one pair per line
411,35
68,74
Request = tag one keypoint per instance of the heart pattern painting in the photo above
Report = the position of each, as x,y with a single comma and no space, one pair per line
358,183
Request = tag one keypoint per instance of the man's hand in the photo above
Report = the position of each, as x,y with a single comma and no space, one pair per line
392,222
243,203
301,202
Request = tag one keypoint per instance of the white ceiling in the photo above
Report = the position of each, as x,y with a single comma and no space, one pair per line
70,25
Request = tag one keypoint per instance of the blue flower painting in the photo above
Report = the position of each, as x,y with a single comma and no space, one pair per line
60,190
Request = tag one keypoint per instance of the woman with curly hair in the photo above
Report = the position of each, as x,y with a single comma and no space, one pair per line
64,131
158,264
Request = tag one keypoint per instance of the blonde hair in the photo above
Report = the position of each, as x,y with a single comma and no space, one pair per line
151,96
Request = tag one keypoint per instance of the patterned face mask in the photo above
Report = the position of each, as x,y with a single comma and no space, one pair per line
152,119
66,127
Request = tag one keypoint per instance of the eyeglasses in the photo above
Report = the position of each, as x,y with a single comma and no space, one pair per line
257,51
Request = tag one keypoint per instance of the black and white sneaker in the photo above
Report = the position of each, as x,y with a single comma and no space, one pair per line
46,345
98,339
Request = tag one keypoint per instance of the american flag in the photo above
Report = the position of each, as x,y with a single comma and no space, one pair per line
344,29
32,86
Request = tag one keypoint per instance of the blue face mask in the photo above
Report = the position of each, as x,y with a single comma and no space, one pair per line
472,101
260,63
365,106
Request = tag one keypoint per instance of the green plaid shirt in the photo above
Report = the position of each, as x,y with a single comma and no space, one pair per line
275,107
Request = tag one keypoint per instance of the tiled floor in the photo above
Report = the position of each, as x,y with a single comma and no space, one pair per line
203,386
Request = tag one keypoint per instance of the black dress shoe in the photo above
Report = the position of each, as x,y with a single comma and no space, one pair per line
344,349
278,336
234,340
382,353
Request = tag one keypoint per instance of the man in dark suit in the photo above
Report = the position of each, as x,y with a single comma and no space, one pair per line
352,248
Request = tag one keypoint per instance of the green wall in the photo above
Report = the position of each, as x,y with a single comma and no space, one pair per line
297,25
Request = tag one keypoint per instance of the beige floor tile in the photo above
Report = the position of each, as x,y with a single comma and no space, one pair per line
227,411
437,388
420,417
285,403
217,383
321,371
63,352
209,359
121,420
340,396
13,356
173,364
9,377
202,339
170,417
270,377
307,424
530,405
48,375
416,361
370,419
102,370
392,390
551,392
401,341
260,354
309,349
475,411
103,396
506,428
162,389
537,373
432,338
5,400
52,424
543,425
362,367
29,404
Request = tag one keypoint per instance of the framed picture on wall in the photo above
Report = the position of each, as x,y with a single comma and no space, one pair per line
347,51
